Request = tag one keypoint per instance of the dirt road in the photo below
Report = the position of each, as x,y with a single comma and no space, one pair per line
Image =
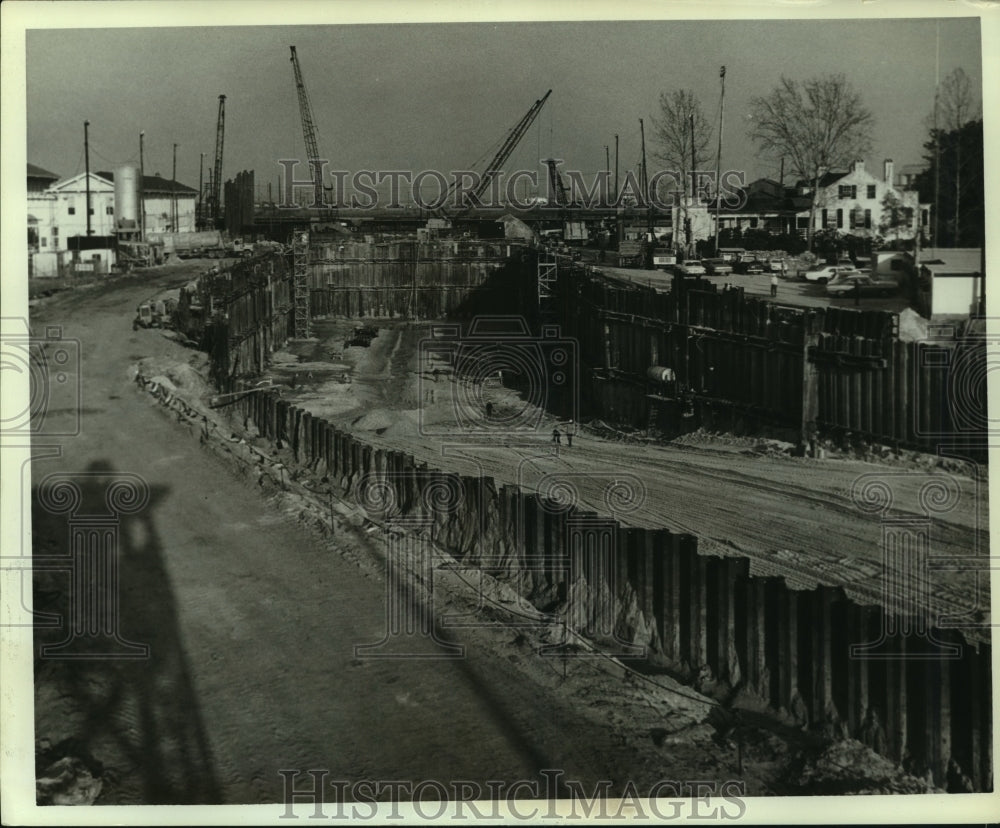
252,621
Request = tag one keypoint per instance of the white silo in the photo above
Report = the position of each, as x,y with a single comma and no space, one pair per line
127,197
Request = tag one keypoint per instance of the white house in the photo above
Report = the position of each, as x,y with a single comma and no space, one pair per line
57,222
69,214
861,204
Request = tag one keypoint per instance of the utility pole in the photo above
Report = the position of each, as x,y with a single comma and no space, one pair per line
616,168
645,178
173,193
642,143
142,188
694,156
937,134
201,188
86,167
688,230
718,155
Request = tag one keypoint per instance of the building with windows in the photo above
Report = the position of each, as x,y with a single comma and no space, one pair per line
58,241
854,202
861,204
58,212
70,212
41,210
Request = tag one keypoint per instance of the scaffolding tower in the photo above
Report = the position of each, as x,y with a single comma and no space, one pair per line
548,271
300,282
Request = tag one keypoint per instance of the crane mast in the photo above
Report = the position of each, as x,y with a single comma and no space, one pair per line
220,132
308,131
558,194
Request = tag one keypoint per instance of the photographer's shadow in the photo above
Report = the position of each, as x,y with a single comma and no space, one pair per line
112,682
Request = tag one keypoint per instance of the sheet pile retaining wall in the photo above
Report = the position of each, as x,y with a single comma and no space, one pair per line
401,279
744,361
921,700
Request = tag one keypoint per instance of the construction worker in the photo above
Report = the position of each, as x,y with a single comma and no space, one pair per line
570,430
774,285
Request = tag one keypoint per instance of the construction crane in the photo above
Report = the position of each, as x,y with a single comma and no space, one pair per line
558,193
220,132
510,143
308,130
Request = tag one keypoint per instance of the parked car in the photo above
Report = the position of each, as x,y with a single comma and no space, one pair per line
824,273
692,267
748,266
847,284
717,267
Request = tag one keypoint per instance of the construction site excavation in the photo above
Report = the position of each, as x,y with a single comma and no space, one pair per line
522,494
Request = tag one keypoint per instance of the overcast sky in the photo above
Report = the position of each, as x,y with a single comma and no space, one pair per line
442,96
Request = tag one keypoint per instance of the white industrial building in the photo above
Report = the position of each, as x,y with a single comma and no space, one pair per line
58,239
169,206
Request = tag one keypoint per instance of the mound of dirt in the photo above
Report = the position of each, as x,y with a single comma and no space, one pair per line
912,326
375,420
176,375
848,767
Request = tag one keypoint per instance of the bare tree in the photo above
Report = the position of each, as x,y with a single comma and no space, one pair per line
895,214
681,133
955,106
818,124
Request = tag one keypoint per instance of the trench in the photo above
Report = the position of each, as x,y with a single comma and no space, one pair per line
914,693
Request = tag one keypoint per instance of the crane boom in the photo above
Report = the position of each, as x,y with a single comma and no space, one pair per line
220,132
308,130
511,141
510,144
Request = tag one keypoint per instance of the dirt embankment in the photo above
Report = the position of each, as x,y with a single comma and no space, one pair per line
808,520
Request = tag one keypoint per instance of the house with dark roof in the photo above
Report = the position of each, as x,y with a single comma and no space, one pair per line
41,204
39,179
763,204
